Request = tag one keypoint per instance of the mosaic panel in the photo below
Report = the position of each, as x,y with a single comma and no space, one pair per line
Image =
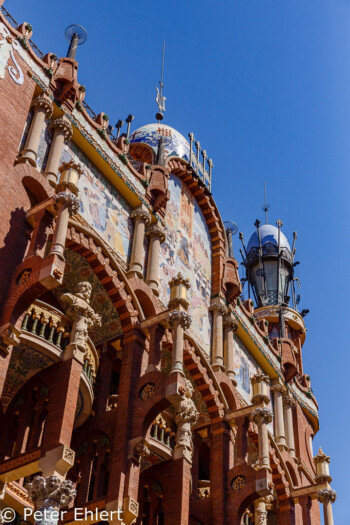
245,366
187,249
101,204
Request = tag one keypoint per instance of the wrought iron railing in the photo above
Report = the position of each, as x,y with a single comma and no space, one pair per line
15,25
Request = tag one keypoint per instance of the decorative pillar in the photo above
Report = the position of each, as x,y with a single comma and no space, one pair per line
156,236
322,462
262,417
43,108
179,321
218,310
66,204
261,390
62,131
327,497
50,495
280,436
230,327
142,219
179,287
186,416
289,405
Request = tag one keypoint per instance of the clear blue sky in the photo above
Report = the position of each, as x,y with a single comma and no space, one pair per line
265,86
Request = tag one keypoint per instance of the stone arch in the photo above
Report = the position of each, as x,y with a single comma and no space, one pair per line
292,473
33,181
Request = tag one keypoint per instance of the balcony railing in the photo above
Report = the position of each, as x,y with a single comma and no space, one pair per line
162,432
49,324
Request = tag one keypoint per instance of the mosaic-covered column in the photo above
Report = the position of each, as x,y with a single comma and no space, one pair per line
66,204
230,327
262,417
179,321
62,131
327,497
218,310
43,108
156,236
142,219
50,495
289,405
280,436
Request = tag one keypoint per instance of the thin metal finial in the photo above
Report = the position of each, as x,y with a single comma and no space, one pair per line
160,98
266,206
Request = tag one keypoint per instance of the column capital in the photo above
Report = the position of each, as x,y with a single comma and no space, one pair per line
219,307
326,495
67,199
261,416
231,322
142,214
157,231
289,401
44,102
277,387
62,124
178,316
51,491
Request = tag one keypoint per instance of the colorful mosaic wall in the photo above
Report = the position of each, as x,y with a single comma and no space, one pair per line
187,249
101,204
245,366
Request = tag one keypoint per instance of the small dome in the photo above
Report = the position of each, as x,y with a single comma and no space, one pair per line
268,235
175,144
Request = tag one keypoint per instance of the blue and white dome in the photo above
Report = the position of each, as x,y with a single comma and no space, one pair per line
268,235
175,144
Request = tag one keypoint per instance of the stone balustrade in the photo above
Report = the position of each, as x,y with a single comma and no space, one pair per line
162,432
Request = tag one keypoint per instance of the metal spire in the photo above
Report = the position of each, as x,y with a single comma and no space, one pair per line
160,99
266,206
76,35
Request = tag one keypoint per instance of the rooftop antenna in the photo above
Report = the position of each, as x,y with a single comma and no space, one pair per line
266,206
160,99
76,35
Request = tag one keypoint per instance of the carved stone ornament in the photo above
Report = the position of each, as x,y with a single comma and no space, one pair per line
143,215
261,416
80,312
68,199
71,165
180,317
7,47
259,377
157,231
277,387
51,491
219,307
238,483
43,102
9,338
141,451
321,457
179,279
230,321
261,514
326,495
186,416
290,401
62,124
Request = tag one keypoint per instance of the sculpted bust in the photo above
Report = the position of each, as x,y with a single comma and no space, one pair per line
80,312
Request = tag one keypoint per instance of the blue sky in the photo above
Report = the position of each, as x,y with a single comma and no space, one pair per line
265,86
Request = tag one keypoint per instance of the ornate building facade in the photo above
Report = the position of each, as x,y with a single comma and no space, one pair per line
136,382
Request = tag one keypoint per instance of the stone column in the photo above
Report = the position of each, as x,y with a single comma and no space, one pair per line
218,310
179,321
230,326
289,405
62,131
280,436
50,495
260,512
156,238
66,204
327,497
142,219
186,416
262,417
42,110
